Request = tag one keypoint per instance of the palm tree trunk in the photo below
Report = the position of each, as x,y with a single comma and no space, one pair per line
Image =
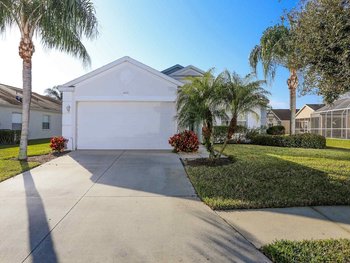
26,50
292,86
231,130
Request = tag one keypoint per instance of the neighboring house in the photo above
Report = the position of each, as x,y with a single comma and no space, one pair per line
303,117
333,120
279,117
123,105
45,113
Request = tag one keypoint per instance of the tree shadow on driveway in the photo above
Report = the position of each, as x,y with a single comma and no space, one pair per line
38,225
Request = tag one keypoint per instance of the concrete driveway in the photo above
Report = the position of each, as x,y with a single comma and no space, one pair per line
113,206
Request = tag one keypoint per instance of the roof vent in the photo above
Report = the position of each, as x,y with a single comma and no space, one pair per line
18,98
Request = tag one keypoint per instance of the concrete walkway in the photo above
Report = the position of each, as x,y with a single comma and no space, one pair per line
263,226
113,206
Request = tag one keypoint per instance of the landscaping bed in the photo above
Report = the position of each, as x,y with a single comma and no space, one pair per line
332,250
208,162
265,176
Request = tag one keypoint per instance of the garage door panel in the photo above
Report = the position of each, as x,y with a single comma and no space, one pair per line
125,125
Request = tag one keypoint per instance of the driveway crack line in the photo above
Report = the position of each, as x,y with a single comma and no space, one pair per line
330,219
65,215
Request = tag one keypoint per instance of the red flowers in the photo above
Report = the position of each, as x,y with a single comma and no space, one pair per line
58,143
186,141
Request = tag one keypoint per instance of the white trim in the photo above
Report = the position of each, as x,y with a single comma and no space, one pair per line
118,62
126,98
64,88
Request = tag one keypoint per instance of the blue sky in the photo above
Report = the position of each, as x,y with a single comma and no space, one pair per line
161,33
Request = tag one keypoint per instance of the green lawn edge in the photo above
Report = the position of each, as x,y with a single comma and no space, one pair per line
308,251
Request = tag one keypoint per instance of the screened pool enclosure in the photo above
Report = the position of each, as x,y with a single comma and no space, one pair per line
333,121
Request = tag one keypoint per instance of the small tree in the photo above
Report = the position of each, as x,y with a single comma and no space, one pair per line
239,96
54,93
277,48
195,106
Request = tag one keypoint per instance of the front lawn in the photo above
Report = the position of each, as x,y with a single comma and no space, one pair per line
338,143
264,176
309,251
10,167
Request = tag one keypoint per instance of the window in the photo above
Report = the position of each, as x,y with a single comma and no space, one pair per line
242,123
16,121
46,122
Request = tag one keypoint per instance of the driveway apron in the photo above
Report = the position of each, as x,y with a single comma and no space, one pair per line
113,206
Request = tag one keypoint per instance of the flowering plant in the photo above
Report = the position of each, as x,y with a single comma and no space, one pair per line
186,141
58,143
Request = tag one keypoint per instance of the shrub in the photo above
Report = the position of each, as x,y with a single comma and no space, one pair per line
220,132
276,130
186,141
58,143
306,140
9,136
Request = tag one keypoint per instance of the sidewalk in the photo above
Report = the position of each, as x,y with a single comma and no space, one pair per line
263,226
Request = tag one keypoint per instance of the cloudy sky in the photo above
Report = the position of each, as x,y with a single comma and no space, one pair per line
159,33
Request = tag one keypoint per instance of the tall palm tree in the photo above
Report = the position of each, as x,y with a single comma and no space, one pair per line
54,93
195,106
277,48
59,24
239,96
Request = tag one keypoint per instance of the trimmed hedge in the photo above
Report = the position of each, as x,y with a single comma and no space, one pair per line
306,140
9,137
220,132
276,130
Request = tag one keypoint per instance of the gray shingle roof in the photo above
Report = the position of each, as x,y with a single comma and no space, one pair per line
172,69
282,114
10,96
315,106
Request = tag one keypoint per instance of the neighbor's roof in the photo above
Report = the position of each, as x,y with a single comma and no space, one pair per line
282,114
178,71
8,96
172,69
315,106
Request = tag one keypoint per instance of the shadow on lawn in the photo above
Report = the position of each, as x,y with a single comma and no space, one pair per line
39,229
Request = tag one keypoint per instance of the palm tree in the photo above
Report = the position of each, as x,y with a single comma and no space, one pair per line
59,24
277,48
54,93
195,106
239,96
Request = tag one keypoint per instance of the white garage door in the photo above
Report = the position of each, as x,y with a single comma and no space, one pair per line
125,125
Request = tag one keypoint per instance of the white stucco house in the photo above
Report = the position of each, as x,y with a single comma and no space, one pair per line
45,113
123,105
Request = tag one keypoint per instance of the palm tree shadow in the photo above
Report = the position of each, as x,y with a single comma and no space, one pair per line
38,226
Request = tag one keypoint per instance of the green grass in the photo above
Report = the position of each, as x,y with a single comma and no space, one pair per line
332,250
10,167
264,176
338,143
